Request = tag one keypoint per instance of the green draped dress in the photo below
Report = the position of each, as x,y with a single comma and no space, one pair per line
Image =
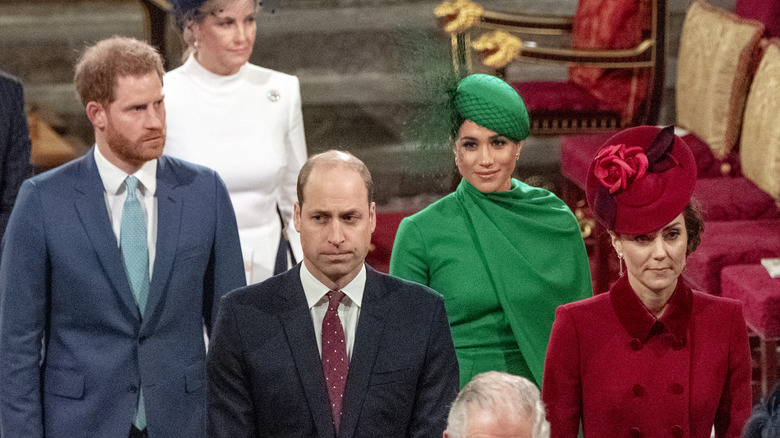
503,262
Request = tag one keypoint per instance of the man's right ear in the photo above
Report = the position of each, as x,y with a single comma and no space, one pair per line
96,114
297,216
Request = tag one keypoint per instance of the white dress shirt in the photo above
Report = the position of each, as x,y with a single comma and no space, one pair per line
115,194
349,308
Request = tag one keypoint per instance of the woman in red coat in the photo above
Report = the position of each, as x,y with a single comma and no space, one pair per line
651,358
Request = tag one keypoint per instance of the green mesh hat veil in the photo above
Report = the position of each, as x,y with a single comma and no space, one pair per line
493,104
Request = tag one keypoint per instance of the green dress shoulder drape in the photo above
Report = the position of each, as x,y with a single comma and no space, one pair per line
503,262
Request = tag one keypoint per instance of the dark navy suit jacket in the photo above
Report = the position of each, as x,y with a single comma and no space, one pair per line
265,372
63,283
14,145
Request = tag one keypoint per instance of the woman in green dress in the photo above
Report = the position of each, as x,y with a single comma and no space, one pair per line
503,254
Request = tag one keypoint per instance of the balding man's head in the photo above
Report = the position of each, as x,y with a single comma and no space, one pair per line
330,159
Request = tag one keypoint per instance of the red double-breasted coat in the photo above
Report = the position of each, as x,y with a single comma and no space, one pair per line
623,373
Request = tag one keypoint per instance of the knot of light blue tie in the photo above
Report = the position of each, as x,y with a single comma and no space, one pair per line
135,254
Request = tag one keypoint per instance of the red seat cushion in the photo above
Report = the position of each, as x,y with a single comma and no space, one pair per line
725,199
555,96
707,166
564,105
730,243
562,101
383,237
577,151
765,11
759,294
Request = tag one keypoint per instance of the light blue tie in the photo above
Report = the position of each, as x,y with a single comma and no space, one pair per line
135,253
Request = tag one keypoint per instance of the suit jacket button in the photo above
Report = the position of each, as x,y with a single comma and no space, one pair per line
132,389
677,431
636,344
678,344
677,388
638,390
635,432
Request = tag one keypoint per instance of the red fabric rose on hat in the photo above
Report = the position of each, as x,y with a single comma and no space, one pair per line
617,166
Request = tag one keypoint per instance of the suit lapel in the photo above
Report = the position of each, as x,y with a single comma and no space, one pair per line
299,329
369,333
169,208
93,213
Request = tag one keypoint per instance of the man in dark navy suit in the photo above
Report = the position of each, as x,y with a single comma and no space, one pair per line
113,263
14,145
331,347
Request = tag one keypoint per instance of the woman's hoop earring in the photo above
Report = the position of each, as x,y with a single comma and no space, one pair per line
620,262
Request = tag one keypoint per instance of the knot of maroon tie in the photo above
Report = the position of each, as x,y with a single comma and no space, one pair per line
335,363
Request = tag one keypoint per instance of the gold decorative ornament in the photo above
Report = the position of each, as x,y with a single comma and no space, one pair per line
458,16
497,48
586,224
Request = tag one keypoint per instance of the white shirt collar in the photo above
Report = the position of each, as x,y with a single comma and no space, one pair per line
114,178
315,291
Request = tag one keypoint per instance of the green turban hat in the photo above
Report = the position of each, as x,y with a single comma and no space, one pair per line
491,103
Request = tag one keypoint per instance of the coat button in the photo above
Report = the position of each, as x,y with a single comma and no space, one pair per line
677,431
636,433
636,344
678,344
677,388
638,390
132,389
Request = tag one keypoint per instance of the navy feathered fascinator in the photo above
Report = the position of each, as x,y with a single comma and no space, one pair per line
765,420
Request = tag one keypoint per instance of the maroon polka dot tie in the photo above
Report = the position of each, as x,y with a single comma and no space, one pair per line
334,354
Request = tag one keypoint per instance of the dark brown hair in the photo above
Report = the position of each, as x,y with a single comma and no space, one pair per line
694,225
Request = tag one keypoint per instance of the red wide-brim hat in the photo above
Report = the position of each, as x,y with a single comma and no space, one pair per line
641,179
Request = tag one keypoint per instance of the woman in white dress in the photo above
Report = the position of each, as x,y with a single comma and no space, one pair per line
242,120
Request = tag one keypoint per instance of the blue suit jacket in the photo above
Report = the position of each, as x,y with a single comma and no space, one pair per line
14,145
63,283
265,372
